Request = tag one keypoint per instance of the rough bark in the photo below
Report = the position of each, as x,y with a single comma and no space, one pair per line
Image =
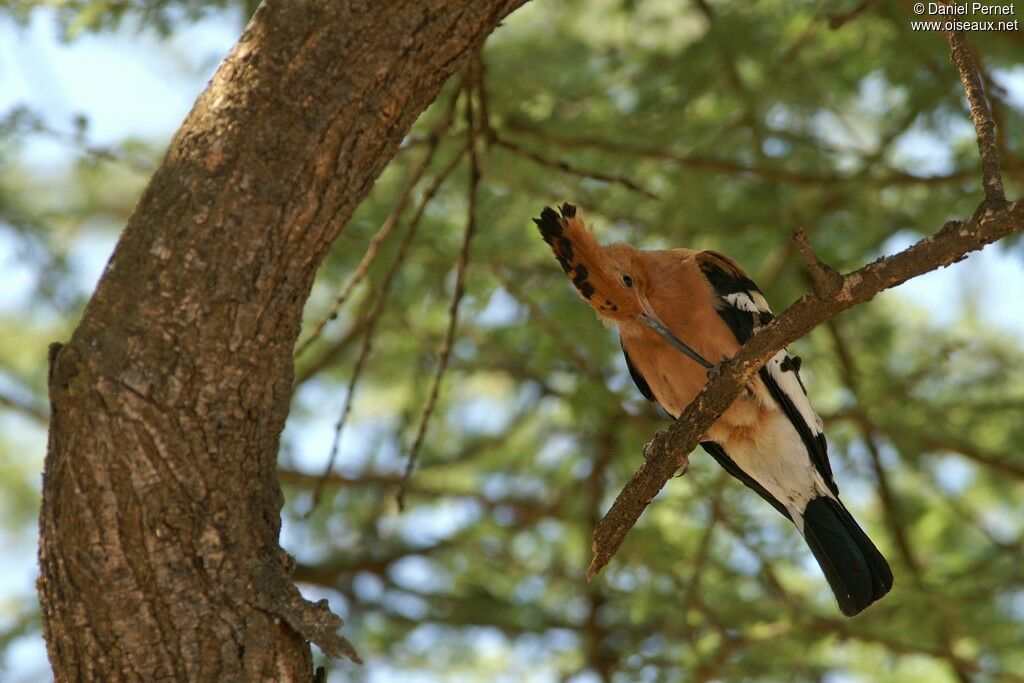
159,525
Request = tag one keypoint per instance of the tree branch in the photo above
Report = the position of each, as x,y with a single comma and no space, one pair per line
453,308
670,447
981,115
28,408
543,319
869,433
566,167
827,281
721,166
374,317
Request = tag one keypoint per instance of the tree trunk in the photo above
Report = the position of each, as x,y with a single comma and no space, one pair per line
161,510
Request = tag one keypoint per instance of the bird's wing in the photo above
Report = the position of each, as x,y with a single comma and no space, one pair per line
743,308
638,379
715,450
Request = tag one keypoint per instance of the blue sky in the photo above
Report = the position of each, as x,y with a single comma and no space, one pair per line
126,83
136,84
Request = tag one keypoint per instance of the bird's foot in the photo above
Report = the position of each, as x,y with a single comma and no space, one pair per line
683,466
715,371
647,450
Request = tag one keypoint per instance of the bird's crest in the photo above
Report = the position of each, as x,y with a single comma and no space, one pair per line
573,244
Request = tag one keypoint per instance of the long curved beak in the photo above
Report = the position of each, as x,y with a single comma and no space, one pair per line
651,319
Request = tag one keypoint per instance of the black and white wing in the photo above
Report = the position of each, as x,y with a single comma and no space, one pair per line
854,568
744,309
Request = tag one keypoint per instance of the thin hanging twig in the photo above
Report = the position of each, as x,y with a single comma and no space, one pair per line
565,167
484,109
374,316
537,315
27,408
453,309
721,166
419,167
890,504
337,347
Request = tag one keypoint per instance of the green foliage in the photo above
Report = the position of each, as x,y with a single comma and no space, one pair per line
748,120
76,17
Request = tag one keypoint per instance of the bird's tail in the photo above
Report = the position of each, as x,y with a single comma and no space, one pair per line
855,570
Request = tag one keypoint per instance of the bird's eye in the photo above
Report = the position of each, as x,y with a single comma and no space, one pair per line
627,280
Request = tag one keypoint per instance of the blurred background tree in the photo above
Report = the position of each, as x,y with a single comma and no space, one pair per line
720,125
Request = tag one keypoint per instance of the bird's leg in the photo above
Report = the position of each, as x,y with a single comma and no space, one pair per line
715,371
647,449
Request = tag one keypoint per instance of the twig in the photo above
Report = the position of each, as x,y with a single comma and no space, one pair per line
37,413
705,9
837,21
700,559
826,279
669,447
484,123
337,347
374,317
357,371
537,315
849,630
565,167
969,451
934,439
711,164
419,166
868,432
602,655
958,506
453,309
981,115
767,566
24,121
1011,165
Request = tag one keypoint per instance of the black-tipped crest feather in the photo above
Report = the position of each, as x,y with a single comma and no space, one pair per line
553,229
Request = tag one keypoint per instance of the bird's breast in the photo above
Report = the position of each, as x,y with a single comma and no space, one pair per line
675,379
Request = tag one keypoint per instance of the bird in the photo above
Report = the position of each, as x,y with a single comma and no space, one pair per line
679,314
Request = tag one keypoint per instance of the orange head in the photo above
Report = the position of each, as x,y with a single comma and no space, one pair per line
612,279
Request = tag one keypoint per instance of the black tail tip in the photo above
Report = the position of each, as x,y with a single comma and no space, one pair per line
857,573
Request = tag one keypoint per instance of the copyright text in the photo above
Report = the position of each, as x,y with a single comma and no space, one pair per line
965,16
